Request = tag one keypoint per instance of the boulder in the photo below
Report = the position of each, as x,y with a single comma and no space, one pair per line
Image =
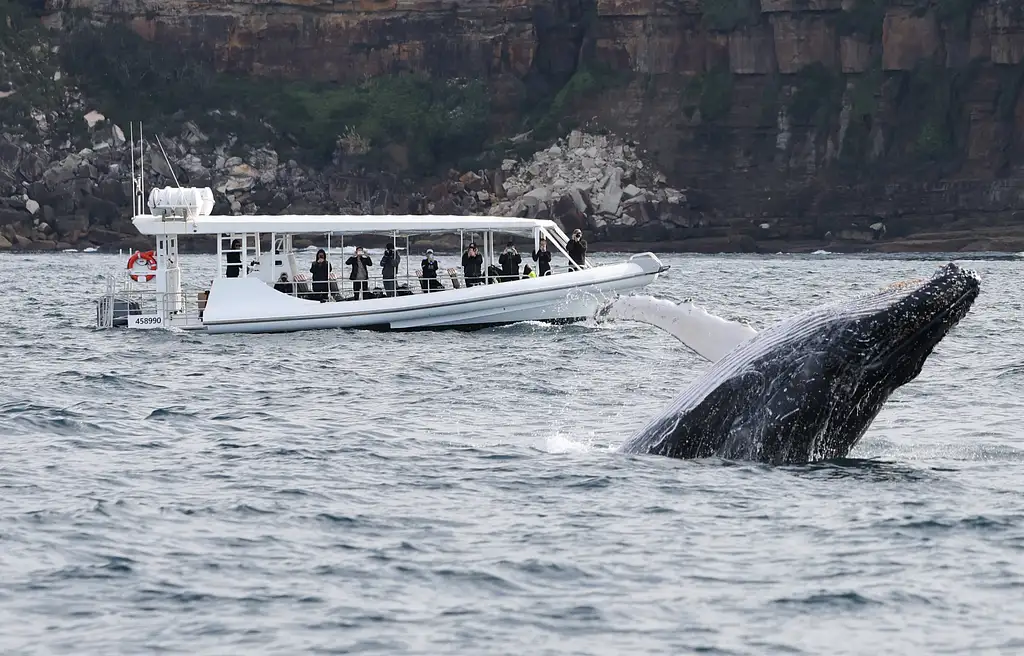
31,167
13,217
472,181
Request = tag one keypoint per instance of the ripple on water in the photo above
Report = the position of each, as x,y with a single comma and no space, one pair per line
334,492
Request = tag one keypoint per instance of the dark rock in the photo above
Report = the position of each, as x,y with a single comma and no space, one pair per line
261,196
70,225
10,155
472,181
113,191
278,203
13,217
39,192
104,237
101,212
32,167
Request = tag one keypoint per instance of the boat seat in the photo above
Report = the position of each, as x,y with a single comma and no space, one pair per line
302,283
300,278
454,273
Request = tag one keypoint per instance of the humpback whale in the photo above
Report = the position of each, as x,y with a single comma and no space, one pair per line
805,389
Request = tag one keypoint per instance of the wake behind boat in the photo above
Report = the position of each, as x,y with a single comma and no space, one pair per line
261,286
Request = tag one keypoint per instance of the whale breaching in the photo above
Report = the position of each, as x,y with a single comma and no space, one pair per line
805,389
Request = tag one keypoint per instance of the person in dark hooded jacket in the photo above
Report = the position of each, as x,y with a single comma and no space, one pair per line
235,260
577,250
321,270
389,267
472,266
543,257
510,259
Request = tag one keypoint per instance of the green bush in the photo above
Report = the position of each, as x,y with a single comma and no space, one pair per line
956,13
1011,78
931,102
933,139
552,118
864,19
817,96
711,92
438,121
727,15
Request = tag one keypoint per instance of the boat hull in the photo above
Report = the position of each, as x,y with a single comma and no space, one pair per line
248,305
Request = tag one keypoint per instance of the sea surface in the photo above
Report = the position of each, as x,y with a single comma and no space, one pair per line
461,493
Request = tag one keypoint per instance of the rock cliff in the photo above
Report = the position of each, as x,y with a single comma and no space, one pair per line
758,124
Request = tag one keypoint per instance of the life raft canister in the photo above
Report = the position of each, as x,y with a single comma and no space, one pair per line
149,258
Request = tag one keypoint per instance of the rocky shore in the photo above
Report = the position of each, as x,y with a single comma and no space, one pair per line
56,197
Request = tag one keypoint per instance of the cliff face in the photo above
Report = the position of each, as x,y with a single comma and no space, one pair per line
816,123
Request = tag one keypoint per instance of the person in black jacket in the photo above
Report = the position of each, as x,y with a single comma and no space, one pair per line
428,273
472,266
543,256
235,259
577,250
282,285
321,270
389,268
510,259
360,275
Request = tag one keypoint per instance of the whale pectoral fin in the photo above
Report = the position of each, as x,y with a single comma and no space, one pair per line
707,335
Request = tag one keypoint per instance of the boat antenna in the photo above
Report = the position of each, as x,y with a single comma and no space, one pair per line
131,149
169,167
142,168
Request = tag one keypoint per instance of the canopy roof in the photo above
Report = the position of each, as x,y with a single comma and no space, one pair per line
148,224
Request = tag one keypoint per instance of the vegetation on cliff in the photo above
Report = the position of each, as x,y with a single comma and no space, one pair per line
406,123
423,123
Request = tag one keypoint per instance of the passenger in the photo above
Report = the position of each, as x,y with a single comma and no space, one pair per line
321,270
428,273
360,276
543,256
389,268
472,266
528,272
282,285
510,259
577,250
235,259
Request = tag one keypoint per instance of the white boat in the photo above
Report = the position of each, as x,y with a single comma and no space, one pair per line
270,290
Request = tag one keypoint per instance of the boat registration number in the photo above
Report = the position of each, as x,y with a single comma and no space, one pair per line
145,321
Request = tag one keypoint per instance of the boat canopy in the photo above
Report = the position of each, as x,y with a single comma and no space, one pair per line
149,224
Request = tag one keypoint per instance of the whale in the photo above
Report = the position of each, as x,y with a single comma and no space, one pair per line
805,389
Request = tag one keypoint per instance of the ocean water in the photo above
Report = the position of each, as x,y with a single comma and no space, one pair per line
461,493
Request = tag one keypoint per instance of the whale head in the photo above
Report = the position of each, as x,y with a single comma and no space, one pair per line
809,387
888,335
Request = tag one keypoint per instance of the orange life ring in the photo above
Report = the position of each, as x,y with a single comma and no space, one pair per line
149,257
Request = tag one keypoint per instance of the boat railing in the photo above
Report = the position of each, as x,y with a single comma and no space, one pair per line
142,298
453,277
